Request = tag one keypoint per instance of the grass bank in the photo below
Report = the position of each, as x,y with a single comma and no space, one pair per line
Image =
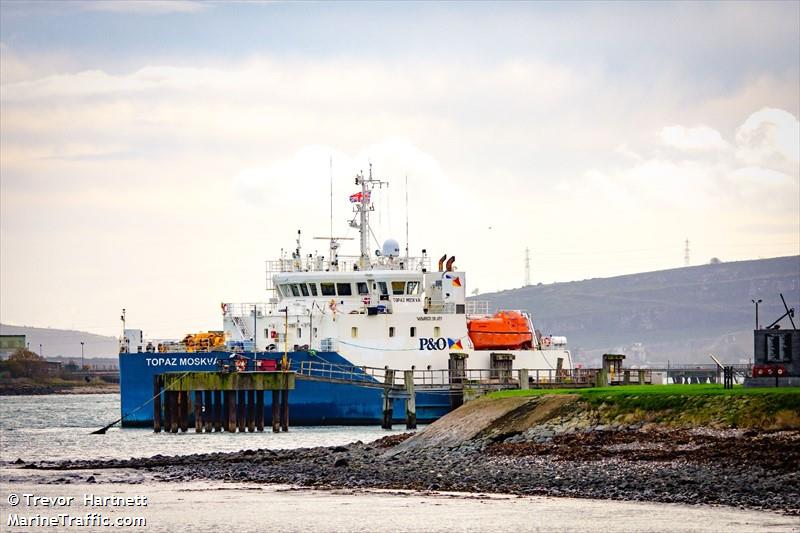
684,405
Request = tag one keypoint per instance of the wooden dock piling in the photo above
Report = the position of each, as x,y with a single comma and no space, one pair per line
411,401
230,401
218,424
260,410
284,409
276,412
157,404
387,400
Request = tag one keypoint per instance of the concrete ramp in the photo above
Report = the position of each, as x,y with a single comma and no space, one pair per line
488,418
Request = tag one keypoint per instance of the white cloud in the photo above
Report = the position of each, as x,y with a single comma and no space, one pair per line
145,7
695,139
770,138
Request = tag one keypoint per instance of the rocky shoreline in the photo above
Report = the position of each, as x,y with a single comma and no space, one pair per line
41,389
729,467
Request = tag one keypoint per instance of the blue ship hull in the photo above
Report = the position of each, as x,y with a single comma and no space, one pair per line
310,403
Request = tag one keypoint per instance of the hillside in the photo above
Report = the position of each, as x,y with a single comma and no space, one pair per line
679,315
64,342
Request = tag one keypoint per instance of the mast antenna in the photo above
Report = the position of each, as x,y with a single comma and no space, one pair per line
406,220
330,170
527,267
363,206
686,253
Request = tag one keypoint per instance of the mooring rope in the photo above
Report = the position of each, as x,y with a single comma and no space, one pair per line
102,431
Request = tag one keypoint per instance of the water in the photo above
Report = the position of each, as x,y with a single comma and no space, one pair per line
37,428
58,427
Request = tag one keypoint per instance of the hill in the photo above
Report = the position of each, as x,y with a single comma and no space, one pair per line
677,315
64,342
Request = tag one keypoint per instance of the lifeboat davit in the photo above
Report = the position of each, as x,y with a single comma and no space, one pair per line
506,330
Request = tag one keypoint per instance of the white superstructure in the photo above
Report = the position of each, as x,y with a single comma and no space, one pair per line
376,310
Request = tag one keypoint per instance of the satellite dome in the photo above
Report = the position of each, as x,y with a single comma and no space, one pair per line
391,248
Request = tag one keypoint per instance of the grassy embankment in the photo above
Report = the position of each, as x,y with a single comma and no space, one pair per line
685,405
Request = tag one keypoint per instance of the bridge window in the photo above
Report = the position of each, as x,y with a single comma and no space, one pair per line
327,289
354,332
304,289
313,287
295,290
384,288
285,290
362,288
398,287
391,331
412,287
344,289
412,332
437,331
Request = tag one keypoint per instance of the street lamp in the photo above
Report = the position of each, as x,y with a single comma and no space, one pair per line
756,302
82,365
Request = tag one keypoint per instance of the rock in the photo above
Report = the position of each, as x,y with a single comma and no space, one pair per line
19,462
91,479
342,461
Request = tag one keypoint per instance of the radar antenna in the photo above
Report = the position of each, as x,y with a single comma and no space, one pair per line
363,206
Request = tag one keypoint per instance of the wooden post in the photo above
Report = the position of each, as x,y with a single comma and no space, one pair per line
218,425
626,377
251,411
285,409
388,381
230,399
559,367
184,407
198,411
260,410
641,377
242,408
411,401
209,411
276,412
523,379
173,411
157,403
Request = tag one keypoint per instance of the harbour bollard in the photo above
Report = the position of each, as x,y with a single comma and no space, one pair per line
411,401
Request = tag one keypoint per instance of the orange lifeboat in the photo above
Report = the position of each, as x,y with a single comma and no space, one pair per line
506,330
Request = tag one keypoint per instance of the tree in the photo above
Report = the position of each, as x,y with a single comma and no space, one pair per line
25,363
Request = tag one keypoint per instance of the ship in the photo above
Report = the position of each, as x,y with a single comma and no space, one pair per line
381,309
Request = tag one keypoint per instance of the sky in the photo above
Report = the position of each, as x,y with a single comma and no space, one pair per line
154,154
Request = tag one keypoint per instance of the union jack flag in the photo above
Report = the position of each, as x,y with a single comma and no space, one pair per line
357,197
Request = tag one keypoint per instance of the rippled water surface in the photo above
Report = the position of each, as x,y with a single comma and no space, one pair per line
34,428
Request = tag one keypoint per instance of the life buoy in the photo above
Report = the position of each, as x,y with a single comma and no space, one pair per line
241,365
546,341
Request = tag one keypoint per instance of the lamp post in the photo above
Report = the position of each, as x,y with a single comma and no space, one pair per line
40,350
756,302
82,365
